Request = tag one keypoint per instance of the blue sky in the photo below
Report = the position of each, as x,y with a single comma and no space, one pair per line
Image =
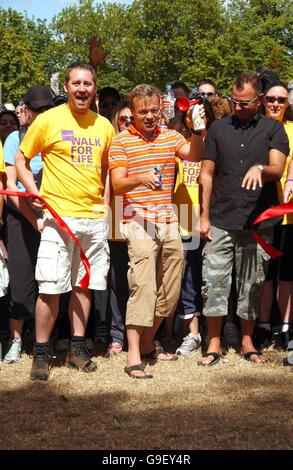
44,8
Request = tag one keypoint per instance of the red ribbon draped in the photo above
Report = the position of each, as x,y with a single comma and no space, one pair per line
85,280
269,214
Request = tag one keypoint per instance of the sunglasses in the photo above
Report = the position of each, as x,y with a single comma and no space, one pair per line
125,119
244,103
207,93
279,99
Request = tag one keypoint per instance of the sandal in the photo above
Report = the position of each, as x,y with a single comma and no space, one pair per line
216,358
141,367
154,355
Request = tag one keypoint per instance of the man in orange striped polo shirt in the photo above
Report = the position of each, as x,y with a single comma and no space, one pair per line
142,164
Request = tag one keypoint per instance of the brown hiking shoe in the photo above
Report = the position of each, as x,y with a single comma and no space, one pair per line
41,363
79,357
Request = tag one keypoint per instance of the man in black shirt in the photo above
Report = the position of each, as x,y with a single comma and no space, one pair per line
244,155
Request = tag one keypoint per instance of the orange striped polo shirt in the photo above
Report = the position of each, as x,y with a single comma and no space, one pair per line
132,150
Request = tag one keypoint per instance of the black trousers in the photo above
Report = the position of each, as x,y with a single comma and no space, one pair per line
23,244
118,291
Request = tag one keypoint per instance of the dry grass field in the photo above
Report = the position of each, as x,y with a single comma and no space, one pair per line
232,405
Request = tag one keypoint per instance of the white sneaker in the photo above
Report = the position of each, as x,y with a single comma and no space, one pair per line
14,351
190,344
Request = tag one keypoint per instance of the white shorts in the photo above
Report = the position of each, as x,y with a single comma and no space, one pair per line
59,267
4,278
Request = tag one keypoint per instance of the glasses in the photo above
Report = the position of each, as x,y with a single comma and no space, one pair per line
125,120
244,103
207,93
280,99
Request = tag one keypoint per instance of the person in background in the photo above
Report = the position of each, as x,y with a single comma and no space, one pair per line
8,123
109,98
222,106
280,273
24,226
4,278
186,194
180,89
117,279
207,88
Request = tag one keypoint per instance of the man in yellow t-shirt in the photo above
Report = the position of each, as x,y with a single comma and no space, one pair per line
74,142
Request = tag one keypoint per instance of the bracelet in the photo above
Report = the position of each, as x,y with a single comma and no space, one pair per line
289,180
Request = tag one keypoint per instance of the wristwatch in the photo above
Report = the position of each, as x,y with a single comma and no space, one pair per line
261,167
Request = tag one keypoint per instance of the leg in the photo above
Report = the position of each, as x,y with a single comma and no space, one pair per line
218,259
79,310
143,253
251,264
118,291
47,307
46,313
247,328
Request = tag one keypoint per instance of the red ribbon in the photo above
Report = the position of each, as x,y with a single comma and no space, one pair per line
269,214
86,279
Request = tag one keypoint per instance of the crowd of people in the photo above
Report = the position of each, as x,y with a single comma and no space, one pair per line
163,213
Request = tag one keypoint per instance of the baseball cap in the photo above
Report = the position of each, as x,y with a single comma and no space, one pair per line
38,96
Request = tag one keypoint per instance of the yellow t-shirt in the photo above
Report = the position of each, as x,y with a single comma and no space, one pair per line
288,126
186,196
74,148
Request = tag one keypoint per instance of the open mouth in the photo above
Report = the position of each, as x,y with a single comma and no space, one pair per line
82,98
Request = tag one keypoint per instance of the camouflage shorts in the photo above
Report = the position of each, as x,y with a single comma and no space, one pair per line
251,263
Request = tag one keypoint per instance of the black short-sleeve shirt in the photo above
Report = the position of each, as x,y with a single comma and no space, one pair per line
235,149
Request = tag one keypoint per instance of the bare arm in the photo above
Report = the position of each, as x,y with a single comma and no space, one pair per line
19,202
192,152
271,172
25,175
288,189
206,183
122,183
1,195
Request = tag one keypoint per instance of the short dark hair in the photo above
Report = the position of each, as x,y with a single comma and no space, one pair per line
276,83
179,84
248,78
83,66
109,91
207,81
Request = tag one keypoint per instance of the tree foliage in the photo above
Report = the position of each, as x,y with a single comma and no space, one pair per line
23,43
153,41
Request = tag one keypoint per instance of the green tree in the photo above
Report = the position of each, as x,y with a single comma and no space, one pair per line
21,42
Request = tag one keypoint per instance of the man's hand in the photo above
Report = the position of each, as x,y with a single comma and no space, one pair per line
37,204
149,180
96,54
40,225
205,228
288,190
252,178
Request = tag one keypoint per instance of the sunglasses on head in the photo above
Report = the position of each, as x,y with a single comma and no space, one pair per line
279,99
